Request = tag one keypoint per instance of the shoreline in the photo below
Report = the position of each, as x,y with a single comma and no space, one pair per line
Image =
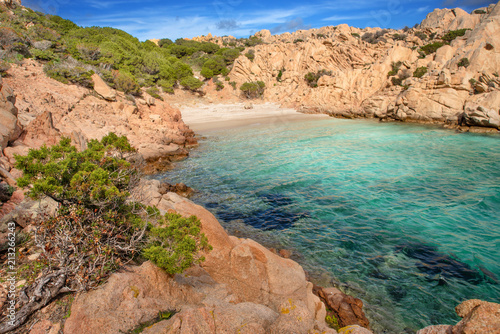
213,117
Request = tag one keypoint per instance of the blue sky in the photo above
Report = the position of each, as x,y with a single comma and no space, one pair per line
147,19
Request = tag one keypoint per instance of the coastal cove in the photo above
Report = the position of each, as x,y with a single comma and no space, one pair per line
404,215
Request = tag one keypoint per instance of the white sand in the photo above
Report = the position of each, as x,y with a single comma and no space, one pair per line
209,117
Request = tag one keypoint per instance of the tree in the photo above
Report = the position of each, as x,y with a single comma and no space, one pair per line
253,89
207,73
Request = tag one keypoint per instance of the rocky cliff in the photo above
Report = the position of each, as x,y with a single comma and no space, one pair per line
373,72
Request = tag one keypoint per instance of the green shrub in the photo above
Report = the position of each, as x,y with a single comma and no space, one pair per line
298,40
191,83
395,68
431,48
280,75
332,321
154,92
233,84
219,86
207,73
312,78
167,85
126,83
374,38
323,36
4,67
452,34
421,35
70,71
250,54
46,55
253,89
420,72
479,11
175,244
252,41
399,37
397,81
164,42
355,34
464,62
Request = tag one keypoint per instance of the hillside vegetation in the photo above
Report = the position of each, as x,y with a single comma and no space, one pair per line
72,54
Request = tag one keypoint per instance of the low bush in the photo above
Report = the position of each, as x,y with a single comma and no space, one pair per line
452,34
253,89
219,86
312,78
464,62
70,71
46,55
420,72
421,35
154,92
431,48
250,54
395,68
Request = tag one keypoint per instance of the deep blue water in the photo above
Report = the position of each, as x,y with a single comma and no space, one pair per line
407,217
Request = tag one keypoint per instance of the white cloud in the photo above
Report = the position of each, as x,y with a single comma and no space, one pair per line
337,18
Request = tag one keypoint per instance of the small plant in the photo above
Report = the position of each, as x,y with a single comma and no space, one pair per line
399,37
355,34
464,62
332,321
250,54
154,92
219,86
175,243
495,74
46,55
452,34
420,72
312,78
421,35
397,81
479,11
233,84
322,36
473,82
395,68
431,48
298,40
280,75
4,67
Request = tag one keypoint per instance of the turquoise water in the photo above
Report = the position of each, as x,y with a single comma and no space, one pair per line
405,216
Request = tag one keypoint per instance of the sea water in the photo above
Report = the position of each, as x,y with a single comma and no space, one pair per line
404,217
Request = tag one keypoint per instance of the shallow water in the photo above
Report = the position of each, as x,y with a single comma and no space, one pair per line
406,216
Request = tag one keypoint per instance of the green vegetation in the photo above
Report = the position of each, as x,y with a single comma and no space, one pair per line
431,48
355,34
395,68
219,86
253,89
250,54
72,53
479,11
421,35
452,34
298,40
420,72
332,321
399,37
374,38
464,62
280,75
312,78
97,228
154,92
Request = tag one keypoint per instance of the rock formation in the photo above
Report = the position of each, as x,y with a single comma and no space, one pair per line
459,78
478,317
50,109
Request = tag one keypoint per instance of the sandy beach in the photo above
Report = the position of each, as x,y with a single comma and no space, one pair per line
210,117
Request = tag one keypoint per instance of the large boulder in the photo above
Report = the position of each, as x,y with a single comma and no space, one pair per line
103,89
478,317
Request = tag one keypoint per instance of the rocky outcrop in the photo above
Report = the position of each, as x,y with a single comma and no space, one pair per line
355,78
103,89
49,109
10,128
240,287
347,309
478,317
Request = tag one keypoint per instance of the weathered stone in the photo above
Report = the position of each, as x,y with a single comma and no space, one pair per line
354,329
347,309
478,317
103,89
437,329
